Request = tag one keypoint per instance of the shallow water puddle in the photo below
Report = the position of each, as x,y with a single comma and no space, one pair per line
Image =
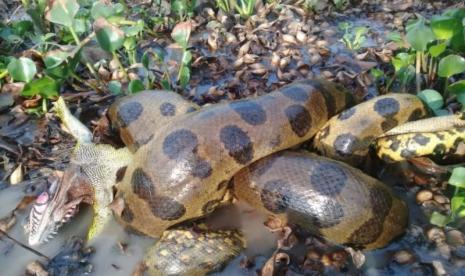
110,258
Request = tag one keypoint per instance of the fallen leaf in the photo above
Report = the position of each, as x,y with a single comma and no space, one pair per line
17,175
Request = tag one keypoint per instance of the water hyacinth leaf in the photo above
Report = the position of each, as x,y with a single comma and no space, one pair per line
376,73
55,58
451,65
402,60
165,84
22,27
439,219
46,87
181,33
184,76
432,98
135,29
130,43
109,37
444,27
395,37
135,86
436,50
458,88
457,177
62,12
419,35
100,9
186,58
457,202
22,69
114,87
145,60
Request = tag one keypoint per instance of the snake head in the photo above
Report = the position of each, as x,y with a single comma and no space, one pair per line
57,204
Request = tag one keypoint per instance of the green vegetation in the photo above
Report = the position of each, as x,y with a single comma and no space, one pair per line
353,38
245,8
457,179
57,38
432,59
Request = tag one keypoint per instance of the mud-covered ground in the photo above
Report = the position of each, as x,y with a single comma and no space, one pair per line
232,59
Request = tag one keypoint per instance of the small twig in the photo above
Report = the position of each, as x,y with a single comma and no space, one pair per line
24,246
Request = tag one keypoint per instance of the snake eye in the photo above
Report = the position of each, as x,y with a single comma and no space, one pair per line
42,198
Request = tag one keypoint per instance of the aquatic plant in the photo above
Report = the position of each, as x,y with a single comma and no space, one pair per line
432,58
457,202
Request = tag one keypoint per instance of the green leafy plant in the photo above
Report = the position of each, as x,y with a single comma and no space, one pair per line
353,38
224,5
436,46
245,8
340,4
183,8
457,204
181,34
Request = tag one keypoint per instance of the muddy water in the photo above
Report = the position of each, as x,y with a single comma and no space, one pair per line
109,259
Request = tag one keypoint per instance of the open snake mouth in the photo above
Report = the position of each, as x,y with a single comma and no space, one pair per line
58,204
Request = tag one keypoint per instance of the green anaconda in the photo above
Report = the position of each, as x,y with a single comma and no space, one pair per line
181,159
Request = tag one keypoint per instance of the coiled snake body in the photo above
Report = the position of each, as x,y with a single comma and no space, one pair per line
182,159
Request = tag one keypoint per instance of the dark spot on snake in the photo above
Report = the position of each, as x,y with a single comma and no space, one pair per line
381,203
166,208
345,144
389,124
395,144
416,115
129,112
251,112
295,92
210,206
178,142
328,179
238,143
440,149
387,107
299,118
142,185
406,153
167,109
367,233
421,139
191,109
120,173
201,168
223,185
275,196
440,136
261,167
127,215
330,100
346,114
457,142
